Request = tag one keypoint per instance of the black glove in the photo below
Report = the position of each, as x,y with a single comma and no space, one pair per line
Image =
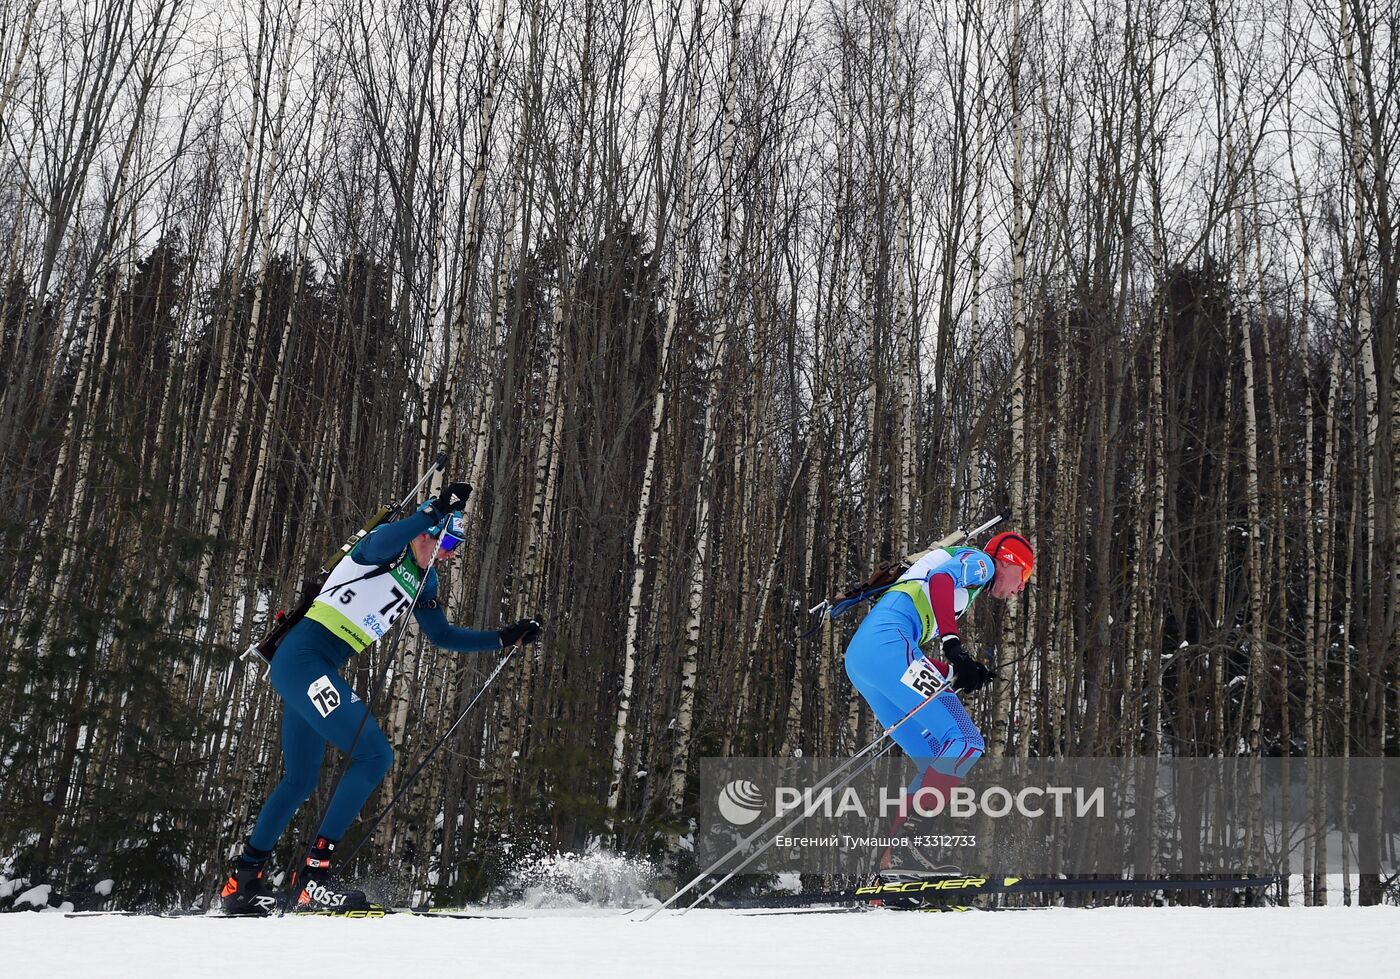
968,674
452,498
525,631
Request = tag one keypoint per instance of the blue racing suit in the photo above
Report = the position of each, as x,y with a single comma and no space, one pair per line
882,652
307,663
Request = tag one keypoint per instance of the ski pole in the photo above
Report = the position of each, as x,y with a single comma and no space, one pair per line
801,815
374,823
364,718
882,741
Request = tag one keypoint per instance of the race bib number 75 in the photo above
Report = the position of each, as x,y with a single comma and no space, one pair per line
324,696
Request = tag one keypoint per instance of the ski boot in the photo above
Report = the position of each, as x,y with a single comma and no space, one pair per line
246,893
318,892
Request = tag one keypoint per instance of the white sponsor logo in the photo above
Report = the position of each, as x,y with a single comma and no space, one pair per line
977,570
324,696
322,894
740,802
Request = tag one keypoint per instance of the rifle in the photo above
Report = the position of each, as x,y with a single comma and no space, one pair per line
282,621
887,572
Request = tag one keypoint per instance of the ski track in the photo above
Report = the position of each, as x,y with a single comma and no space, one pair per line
1058,942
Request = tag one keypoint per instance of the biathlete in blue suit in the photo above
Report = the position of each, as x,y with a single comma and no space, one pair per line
887,665
368,590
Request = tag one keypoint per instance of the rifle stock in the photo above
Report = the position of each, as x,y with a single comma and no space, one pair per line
887,572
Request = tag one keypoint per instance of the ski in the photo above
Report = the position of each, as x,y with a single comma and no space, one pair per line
869,909
193,913
359,914
962,887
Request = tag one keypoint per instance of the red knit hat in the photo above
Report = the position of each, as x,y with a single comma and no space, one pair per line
1014,548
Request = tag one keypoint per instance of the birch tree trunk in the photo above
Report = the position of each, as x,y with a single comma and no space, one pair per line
1001,716
685,708
685,180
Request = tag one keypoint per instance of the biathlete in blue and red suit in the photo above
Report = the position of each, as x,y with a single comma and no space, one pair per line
887,665
368,590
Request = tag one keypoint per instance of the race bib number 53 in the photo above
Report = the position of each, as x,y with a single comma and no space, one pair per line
922,678
324,696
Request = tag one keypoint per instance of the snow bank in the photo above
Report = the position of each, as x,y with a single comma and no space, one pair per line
37,896
578,880
1070,943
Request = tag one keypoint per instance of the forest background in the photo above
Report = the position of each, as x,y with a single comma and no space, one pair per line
716,303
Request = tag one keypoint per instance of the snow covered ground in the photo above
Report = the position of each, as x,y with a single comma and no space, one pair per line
1107,941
